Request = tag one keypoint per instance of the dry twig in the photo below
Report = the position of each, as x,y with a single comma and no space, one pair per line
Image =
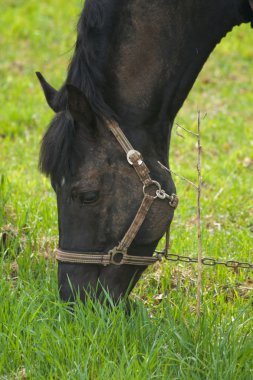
177,175
199,190
199,284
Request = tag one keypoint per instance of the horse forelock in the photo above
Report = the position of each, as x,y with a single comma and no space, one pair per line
59,149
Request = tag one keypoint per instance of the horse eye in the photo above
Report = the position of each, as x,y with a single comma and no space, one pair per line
88,197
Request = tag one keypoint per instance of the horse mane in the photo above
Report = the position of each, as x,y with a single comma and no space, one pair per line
59,146
87,68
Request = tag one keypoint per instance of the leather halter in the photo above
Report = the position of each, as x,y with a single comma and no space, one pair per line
152,190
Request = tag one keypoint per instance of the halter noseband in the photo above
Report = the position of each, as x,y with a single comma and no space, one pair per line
152,190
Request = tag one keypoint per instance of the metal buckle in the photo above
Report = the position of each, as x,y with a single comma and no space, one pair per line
161,194
130,153
117,256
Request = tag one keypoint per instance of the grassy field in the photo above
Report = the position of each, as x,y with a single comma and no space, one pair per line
42,338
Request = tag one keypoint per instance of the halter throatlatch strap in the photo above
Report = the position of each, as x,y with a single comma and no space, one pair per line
152,190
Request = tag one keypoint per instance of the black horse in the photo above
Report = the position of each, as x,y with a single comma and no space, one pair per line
134,63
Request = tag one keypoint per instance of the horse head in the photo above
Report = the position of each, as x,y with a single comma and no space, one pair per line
98,197
134,65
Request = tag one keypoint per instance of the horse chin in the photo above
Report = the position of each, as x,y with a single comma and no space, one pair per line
118,281
98,282
77,280
113,282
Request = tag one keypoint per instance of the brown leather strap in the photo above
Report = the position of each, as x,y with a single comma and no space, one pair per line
135,159
119,135
136,225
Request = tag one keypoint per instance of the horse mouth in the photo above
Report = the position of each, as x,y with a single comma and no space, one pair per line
117,280
96,281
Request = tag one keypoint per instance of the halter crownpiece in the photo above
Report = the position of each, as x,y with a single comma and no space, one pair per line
152,190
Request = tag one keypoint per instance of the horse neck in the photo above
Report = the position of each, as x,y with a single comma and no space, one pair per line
147,57
160,55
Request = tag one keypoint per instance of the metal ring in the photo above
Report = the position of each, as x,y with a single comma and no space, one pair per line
117,257
157,184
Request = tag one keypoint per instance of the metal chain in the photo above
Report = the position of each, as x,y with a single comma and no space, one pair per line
205,261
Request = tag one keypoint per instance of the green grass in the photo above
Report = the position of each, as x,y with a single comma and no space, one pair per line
42,338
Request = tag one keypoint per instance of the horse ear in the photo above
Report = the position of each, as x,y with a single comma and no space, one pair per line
79,106
49,92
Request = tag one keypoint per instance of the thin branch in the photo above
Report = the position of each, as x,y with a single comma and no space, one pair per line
177,133
186,130
200,253
218,194
177,175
